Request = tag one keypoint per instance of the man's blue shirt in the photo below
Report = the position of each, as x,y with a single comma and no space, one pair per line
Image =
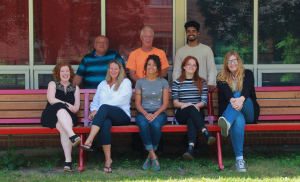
93,69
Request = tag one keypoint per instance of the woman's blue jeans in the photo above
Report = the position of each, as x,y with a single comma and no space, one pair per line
238,119
151,138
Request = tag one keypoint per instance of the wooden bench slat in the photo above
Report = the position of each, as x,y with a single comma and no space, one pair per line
271,103
278,95
27,105
273,111
29,114
169,112
22,105
279,111
23,98
271,95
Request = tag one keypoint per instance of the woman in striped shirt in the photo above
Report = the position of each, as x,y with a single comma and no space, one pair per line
189,94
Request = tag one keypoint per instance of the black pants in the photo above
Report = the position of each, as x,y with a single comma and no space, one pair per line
193,119
106,117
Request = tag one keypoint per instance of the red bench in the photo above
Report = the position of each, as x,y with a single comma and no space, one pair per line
20,112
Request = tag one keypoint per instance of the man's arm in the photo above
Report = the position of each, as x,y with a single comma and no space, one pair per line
133,76
164,73
77,80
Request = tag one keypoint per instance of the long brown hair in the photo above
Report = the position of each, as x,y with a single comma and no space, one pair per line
198,81
225,74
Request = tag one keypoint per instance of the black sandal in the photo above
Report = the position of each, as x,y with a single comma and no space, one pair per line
68,164
74,141
84,147
107,169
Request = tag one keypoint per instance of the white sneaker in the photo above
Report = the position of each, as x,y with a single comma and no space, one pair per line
223,123
240,165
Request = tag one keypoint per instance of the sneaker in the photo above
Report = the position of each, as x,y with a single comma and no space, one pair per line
223,123
240,165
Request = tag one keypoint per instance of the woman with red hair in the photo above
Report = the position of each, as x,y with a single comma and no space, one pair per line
189,93
63,102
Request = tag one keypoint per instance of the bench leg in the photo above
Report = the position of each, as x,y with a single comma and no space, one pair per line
82,153
212,150
220,160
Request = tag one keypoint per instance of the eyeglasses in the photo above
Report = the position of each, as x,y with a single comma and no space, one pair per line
104,43
232,61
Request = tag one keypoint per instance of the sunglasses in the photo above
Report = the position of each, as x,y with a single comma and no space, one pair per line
232,61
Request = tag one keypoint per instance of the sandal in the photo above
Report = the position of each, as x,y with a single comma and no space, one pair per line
147,165
84,147
155,166
68,164
75,140
107,169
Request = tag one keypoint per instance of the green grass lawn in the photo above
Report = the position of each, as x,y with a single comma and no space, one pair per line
261,166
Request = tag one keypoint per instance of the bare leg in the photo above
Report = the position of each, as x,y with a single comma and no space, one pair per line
65,142
108,160
94,131
65,121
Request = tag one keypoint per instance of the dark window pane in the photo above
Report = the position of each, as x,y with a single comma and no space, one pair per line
225,25
280,79
64,30
278,32
125,21
44,79
14,32
12,81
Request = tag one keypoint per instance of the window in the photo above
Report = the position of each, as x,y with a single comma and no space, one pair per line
14,32
224,26
278,32
12,81
64,30
125,21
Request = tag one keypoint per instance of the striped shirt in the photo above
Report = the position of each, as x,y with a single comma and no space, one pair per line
93,69
188,92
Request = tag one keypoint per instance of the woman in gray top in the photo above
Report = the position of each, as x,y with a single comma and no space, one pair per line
151,100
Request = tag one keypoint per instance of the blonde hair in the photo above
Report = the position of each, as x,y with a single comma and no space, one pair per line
147,28
226,76
120,77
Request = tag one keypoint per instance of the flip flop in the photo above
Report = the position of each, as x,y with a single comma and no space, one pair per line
107,169
84,147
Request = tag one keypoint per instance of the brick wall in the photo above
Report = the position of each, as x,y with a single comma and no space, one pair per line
171,139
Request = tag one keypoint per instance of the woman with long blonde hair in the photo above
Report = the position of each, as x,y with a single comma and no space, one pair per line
110,107
237,103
